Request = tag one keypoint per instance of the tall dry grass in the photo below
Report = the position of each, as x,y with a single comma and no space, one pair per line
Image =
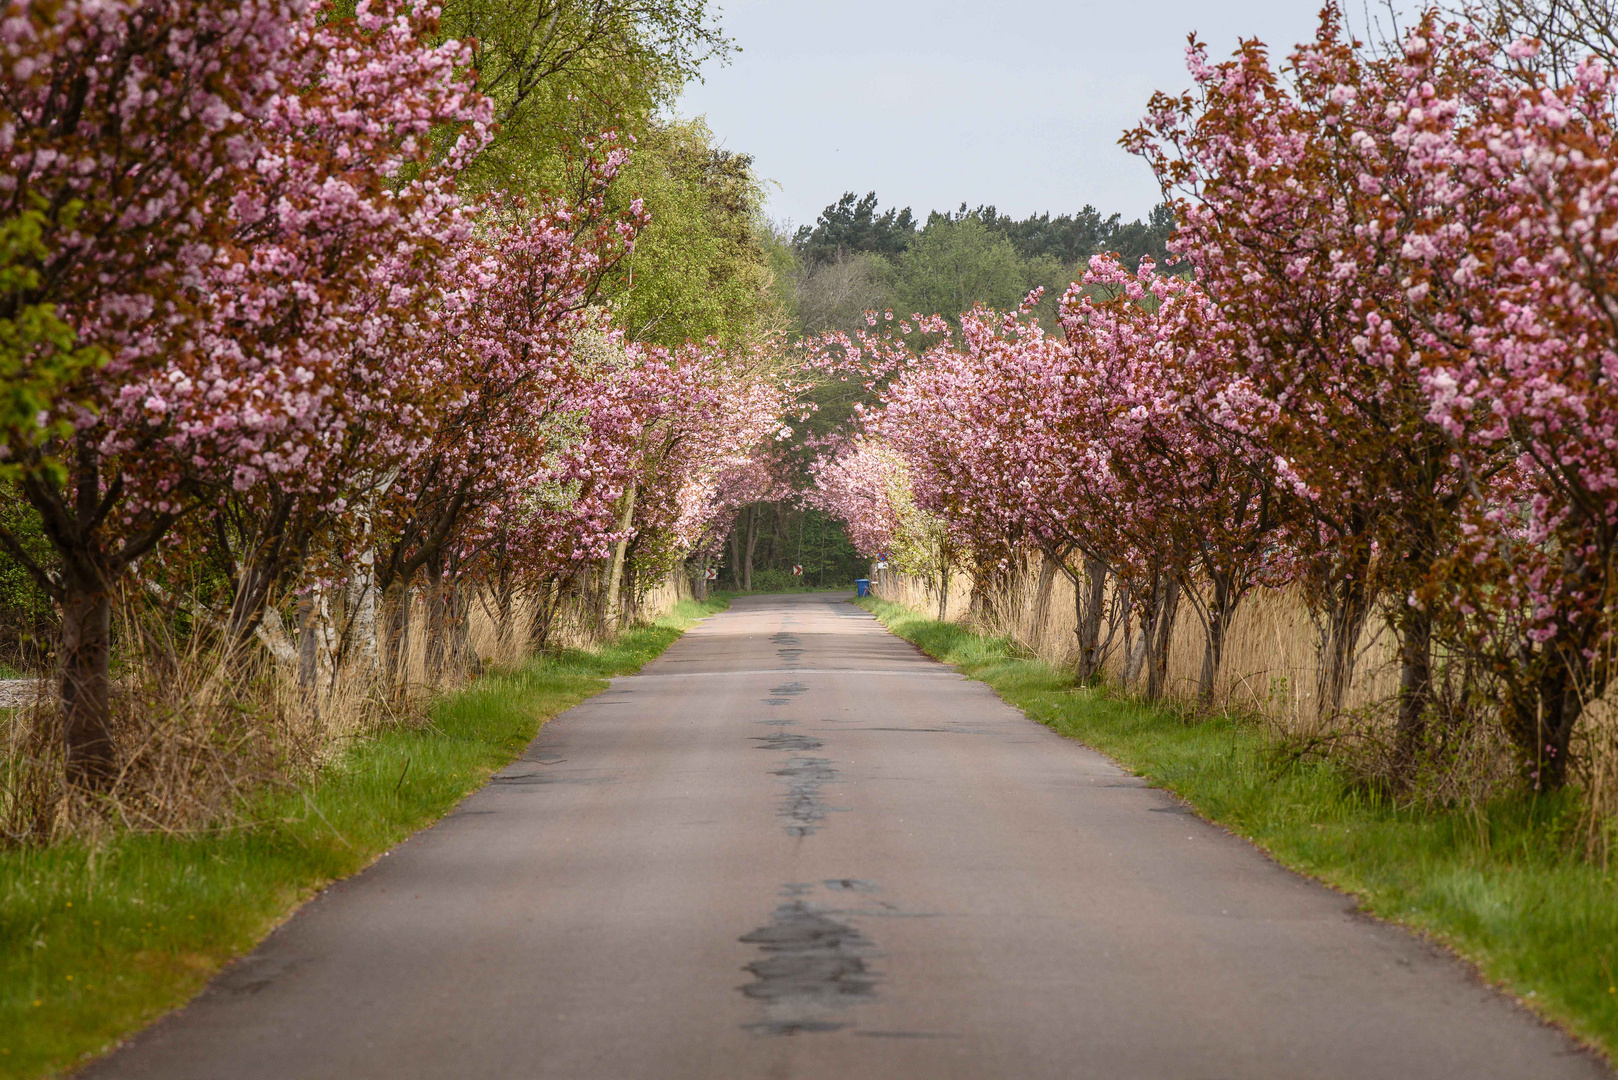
195,734
1270,662
1269,673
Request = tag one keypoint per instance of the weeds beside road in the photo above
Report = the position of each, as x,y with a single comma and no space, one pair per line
100,940
1507,887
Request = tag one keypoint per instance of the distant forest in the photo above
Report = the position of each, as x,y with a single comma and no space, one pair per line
858,257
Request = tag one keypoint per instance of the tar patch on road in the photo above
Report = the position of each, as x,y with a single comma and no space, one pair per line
788,647
813,968
786,742
803,808
780,695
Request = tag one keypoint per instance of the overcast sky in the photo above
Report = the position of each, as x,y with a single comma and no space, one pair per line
932,103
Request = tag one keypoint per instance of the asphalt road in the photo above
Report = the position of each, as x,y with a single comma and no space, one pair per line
795,848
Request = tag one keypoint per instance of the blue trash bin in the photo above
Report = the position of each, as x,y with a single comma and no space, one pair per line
862,586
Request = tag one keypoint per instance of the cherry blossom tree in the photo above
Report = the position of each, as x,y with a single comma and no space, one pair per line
710,510
1525,298
714,413
1196,502
509,379
324,302
867,486
125,127
1297,191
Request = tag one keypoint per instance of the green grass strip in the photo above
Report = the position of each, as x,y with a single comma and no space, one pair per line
95,943
1507,888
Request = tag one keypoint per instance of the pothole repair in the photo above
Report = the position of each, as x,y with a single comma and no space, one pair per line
803,808
812,969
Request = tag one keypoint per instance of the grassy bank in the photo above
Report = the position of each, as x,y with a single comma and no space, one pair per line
1507,888
96,942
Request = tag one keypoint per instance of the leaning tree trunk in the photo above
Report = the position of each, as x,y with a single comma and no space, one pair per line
620,552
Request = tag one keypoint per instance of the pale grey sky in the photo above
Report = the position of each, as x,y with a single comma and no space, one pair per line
1019,105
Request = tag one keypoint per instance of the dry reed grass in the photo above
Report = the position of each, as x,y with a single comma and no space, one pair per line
1269,672
195,735
1270,663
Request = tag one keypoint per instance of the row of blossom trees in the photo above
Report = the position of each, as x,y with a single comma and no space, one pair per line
1387,379
251,322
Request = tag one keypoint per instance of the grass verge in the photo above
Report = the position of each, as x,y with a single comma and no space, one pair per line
1508,888
97,941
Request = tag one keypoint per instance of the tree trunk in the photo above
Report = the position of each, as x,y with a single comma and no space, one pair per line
1157,675
978,608
943,593
620,552
504,595
308,649
87,684
630,594
752,543
1042,598
1220,613
1089,598
1127,593
1348,603
1135,662
273,548
1151,612
1415,682
271,632
72,518
543,616
396,647
460,628
360,607
435,652
1544,723
736,554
